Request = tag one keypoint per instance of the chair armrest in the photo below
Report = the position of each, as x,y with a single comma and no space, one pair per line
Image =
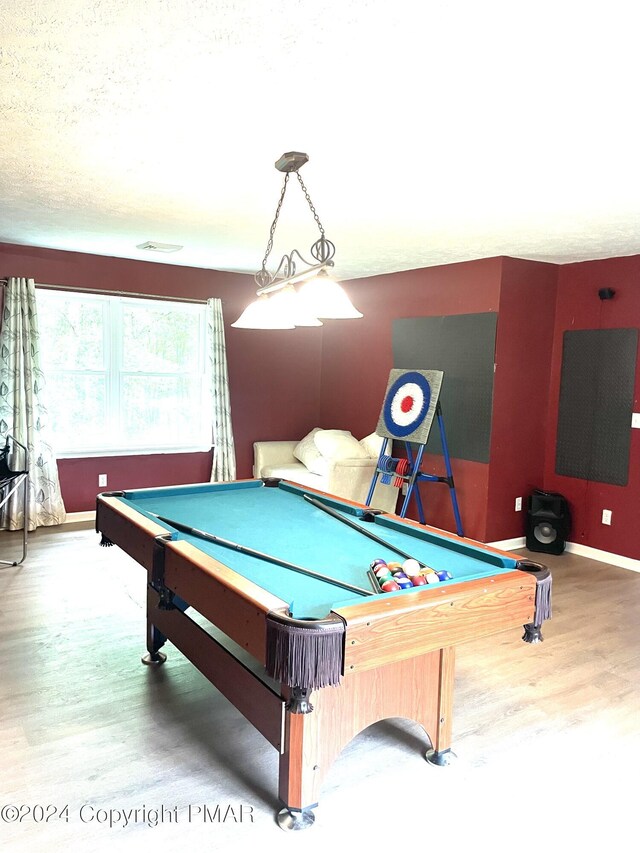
272,453
367,462
351,478
348,477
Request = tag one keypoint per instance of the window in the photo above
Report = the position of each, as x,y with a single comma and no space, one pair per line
124,375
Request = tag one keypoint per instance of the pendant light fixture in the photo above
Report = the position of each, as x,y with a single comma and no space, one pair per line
299,292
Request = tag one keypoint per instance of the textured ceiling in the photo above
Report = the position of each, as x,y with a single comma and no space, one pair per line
436,131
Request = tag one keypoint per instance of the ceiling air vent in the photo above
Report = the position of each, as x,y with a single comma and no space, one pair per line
154,246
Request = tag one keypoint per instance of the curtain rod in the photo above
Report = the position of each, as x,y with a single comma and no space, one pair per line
4,282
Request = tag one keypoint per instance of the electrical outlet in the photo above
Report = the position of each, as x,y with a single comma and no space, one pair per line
606,516
518,504
102,481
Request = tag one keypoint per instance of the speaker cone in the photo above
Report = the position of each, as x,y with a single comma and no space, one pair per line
545,533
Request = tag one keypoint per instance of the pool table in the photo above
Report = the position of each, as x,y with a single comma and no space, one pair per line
297,639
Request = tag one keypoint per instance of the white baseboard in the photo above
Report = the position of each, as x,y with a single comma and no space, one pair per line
603,556
80,517
509,544
580,550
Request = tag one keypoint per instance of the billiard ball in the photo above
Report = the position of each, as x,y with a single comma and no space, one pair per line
427,570
382,572
378,562
444,576
411,567
432,577
398,574
403,583
395,567
390,586
419,580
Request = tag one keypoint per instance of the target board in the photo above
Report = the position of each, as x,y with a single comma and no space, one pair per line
410,404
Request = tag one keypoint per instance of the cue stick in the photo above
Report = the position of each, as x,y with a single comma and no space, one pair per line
335,514
243,549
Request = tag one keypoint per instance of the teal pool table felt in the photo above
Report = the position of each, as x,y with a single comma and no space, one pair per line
280,522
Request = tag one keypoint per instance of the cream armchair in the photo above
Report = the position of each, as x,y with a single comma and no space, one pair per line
344,477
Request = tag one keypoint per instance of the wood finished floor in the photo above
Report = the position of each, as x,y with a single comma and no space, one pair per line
547,736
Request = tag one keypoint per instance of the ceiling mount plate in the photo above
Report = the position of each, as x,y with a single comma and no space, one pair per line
291,161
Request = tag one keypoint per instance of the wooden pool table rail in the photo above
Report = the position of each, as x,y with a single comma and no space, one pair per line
401,626
227,599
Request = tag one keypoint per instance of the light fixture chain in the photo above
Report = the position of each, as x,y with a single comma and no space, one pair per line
275,222
310,203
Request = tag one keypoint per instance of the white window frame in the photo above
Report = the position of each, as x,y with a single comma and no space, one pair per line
112,369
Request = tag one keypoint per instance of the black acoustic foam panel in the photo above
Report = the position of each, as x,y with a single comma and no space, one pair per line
463,346
596,404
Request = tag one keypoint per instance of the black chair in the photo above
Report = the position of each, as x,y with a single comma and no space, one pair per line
10,482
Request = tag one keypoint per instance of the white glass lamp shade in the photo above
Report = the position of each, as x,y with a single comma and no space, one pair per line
288,302
325,298
261,314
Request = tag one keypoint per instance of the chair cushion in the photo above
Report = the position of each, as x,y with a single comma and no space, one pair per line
372,444
337,444
305,450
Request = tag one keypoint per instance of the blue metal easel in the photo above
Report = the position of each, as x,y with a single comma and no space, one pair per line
413,476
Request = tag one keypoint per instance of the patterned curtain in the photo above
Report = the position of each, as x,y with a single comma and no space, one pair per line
22,410
224,454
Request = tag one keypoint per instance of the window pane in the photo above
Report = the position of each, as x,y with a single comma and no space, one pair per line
160,410
160,339
78,409
71,333
123,375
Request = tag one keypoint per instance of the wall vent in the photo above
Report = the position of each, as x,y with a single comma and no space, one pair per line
154,246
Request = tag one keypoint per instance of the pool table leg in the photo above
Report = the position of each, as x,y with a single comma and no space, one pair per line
440,753
419,689
155,638
298,782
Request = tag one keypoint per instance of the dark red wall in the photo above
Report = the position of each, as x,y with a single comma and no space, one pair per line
579,307
284,383
356,354
274,377
79,477
524,341
357,358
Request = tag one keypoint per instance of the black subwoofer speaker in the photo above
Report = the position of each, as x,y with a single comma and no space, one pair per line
548,522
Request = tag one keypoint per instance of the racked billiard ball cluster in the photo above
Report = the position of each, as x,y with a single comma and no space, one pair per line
395,576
